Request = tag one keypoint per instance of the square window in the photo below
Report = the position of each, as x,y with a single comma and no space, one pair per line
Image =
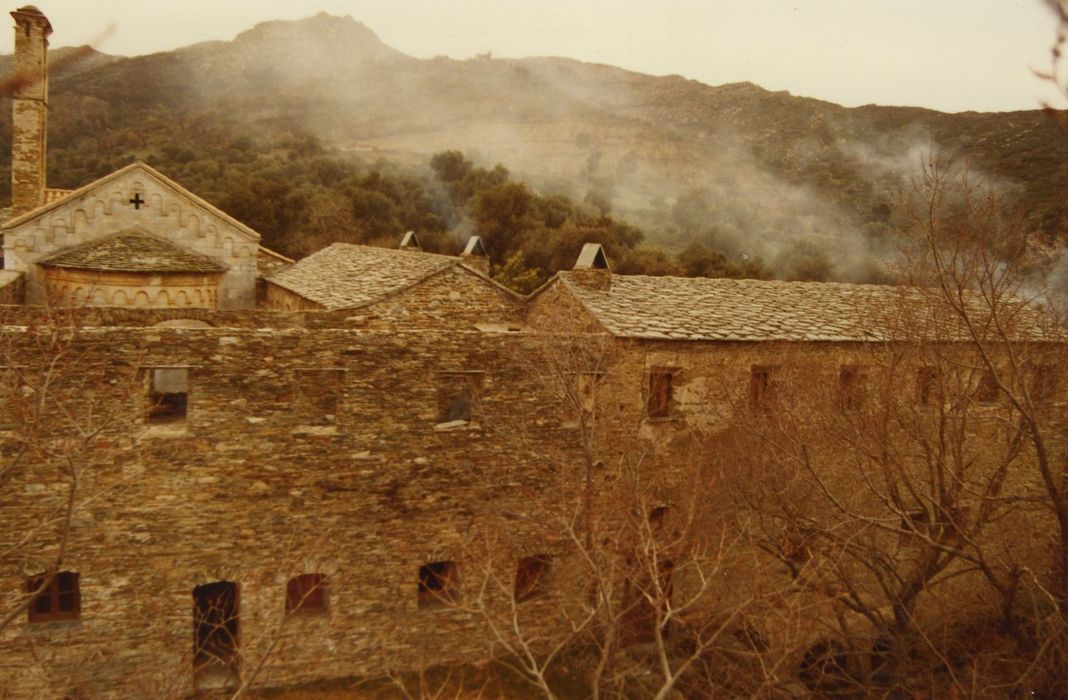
168,396
438,584
59,600
532,577
306,593
660,392
459,394
318,394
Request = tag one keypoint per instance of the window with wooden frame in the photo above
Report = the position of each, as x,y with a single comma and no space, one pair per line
659,392
928,391
168,394
459,396
532,577
760,388
438,584
306,594
317,395
986,389
852,387
59,600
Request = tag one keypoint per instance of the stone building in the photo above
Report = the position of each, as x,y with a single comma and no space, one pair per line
286,472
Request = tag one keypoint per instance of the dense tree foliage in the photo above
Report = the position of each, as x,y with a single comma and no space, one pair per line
301,197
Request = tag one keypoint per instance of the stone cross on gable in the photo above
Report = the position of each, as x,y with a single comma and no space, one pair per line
137,201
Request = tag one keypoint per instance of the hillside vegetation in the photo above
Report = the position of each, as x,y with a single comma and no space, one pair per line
315,130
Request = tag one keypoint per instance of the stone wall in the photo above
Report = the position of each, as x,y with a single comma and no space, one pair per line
66,286
254,487
246,490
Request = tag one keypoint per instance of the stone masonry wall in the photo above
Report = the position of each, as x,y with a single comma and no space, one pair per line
246,491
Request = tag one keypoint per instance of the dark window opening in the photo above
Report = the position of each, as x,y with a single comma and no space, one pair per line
168,395
927,381
987,390
438,584
658,403
1043,383
215,632
657,518
59,600
760,388
532,577
458,397
852,382
318,393
306,593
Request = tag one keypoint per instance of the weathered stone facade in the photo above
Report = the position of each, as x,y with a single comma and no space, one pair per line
250,491
135,198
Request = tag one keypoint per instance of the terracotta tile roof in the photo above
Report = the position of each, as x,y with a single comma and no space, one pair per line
682,308
344,275
132,251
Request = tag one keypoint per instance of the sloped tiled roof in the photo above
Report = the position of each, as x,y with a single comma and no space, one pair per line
344,275
133,251
638,306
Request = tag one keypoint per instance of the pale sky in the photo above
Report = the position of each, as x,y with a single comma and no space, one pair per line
952,55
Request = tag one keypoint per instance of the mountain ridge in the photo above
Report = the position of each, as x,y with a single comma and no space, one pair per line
764,167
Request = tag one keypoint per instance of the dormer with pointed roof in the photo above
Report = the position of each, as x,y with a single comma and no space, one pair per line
591,268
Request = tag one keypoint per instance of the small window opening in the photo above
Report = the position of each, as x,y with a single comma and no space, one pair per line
657,518
59,600
438,584
532,577
586,393
168,395
914,522
458,397
852,382
760,388
1043,383
927,380
306,593
987,389
658,403
318,393
10,399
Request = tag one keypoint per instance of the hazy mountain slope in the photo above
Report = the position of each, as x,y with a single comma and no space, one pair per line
742,167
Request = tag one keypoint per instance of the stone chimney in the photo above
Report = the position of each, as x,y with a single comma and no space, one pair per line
29,126
591,269
410,242
474,255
